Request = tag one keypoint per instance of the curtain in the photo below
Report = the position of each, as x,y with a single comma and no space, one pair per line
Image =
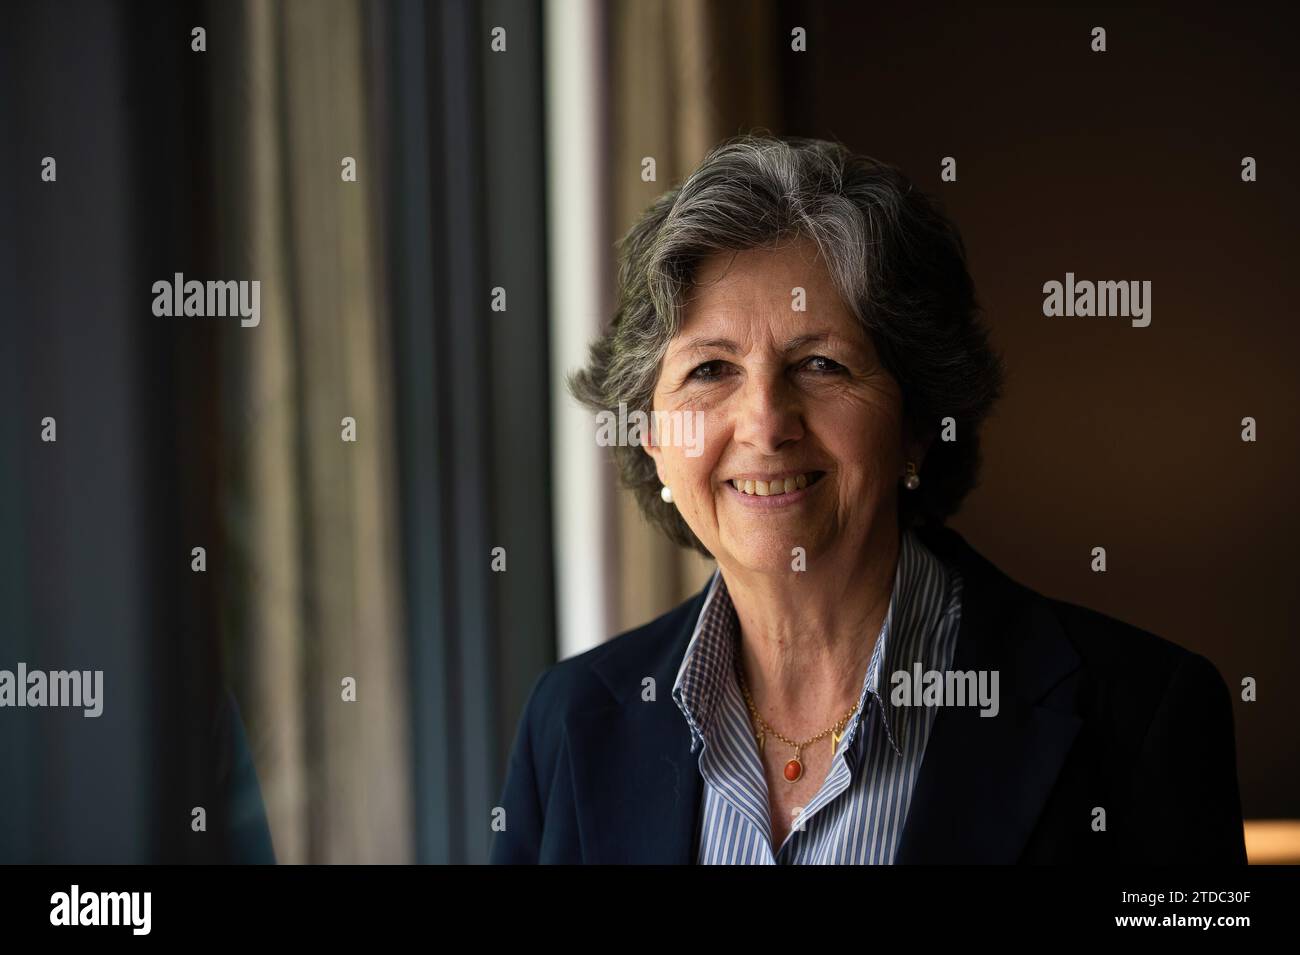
373,559
313,515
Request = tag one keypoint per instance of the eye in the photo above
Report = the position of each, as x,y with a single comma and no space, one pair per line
709,371
822,365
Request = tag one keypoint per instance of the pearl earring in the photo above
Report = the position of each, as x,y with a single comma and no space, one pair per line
666,493
913,480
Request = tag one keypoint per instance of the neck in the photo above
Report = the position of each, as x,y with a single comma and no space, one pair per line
806,638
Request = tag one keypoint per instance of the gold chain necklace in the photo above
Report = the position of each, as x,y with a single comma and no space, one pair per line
794,768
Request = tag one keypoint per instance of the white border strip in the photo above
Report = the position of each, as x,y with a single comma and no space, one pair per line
576,222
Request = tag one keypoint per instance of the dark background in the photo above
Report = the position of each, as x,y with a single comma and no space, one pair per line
1122,165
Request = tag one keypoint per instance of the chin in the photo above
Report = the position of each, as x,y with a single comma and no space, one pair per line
770,551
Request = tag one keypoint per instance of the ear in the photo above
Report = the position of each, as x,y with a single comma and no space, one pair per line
655,452
915,447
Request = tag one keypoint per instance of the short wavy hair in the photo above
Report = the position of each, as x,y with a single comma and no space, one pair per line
897,261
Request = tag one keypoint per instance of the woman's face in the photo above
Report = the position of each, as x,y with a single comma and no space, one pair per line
795,397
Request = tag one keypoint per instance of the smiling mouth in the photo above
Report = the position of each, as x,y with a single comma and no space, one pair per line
777,486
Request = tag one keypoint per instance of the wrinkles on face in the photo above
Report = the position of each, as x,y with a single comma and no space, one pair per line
782,391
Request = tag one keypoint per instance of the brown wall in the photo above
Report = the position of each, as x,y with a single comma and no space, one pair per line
1119,165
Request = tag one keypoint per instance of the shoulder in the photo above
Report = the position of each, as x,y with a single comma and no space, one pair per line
1115,656
1121,650
1145,695
1133,677
608,672
579,693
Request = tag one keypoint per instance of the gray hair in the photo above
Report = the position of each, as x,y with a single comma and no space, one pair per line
898,263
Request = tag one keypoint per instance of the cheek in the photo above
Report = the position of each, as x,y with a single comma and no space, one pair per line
692,479
693,472
691,444
865,439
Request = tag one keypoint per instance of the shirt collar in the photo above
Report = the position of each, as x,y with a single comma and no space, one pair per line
921,589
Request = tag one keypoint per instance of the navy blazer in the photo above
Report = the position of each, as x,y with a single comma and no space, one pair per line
1094,714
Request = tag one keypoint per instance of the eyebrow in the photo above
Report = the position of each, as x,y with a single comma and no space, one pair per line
729,346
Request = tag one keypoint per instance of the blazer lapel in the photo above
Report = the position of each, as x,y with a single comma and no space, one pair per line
984,780
636,782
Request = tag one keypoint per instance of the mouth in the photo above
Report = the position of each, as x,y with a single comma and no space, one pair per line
780,486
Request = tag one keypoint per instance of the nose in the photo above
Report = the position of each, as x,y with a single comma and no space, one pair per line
768,414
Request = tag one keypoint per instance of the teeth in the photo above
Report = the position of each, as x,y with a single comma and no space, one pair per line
770,488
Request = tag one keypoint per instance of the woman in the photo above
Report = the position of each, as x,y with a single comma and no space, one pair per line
855,684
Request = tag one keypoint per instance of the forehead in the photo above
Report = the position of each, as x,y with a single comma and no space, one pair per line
755,288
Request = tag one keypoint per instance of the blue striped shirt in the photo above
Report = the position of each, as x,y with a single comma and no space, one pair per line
857,815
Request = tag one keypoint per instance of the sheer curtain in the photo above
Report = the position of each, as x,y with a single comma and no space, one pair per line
312,516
